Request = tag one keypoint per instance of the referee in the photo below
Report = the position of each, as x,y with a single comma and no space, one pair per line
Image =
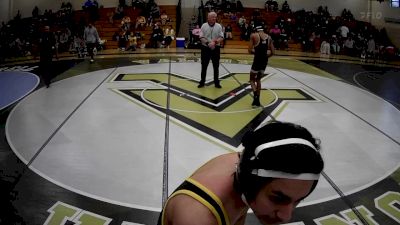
211,37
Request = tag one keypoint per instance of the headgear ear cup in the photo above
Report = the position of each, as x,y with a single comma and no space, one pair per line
247,138
245,164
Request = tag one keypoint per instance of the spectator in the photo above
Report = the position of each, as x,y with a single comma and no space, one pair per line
389,53
344,30
335,45
268,5
283,40
192,25
169,36
91,37
245,32
63,40
196,36
275,6
242,21
233,17
140,22
164,18
140,4
347,15
371,46
122,40
149,22
155,10
140,37
132,42
325,48
275,33
197,30
78,46
157,36
228,32
349,46
35,12
286,7
239,6
360,44
18,16
209,6
91,7
126,23
68,7
47,44
119,12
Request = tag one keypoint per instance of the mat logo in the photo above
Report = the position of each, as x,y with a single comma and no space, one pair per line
19,68
209,112
61,213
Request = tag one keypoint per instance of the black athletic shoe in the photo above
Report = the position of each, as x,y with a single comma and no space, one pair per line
218,86
253,103
200,85
256,101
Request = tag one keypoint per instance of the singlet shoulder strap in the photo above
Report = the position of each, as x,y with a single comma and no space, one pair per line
203,195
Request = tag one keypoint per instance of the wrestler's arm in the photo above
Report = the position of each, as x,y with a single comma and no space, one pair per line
251,44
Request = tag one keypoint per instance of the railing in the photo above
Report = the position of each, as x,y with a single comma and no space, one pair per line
392,20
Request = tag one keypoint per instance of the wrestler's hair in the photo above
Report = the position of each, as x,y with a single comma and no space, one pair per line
280,150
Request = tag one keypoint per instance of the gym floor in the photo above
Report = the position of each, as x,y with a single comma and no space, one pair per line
107,140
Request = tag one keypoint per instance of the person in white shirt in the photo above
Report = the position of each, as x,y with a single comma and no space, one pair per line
344,31
91,37
211,37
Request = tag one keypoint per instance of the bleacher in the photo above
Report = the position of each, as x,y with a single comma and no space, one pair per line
268,17
106,29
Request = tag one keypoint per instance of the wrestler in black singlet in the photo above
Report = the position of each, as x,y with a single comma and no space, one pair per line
260,55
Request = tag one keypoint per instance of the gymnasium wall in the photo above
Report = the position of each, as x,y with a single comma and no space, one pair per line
361,9
5,9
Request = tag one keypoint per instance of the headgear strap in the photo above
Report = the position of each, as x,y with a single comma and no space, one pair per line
259,28
280,174
288,141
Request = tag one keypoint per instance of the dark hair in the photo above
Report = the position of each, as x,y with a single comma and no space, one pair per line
292,158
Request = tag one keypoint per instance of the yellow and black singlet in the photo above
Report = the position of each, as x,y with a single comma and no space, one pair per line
197,191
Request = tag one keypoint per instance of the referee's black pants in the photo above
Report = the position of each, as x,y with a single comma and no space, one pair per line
206,55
